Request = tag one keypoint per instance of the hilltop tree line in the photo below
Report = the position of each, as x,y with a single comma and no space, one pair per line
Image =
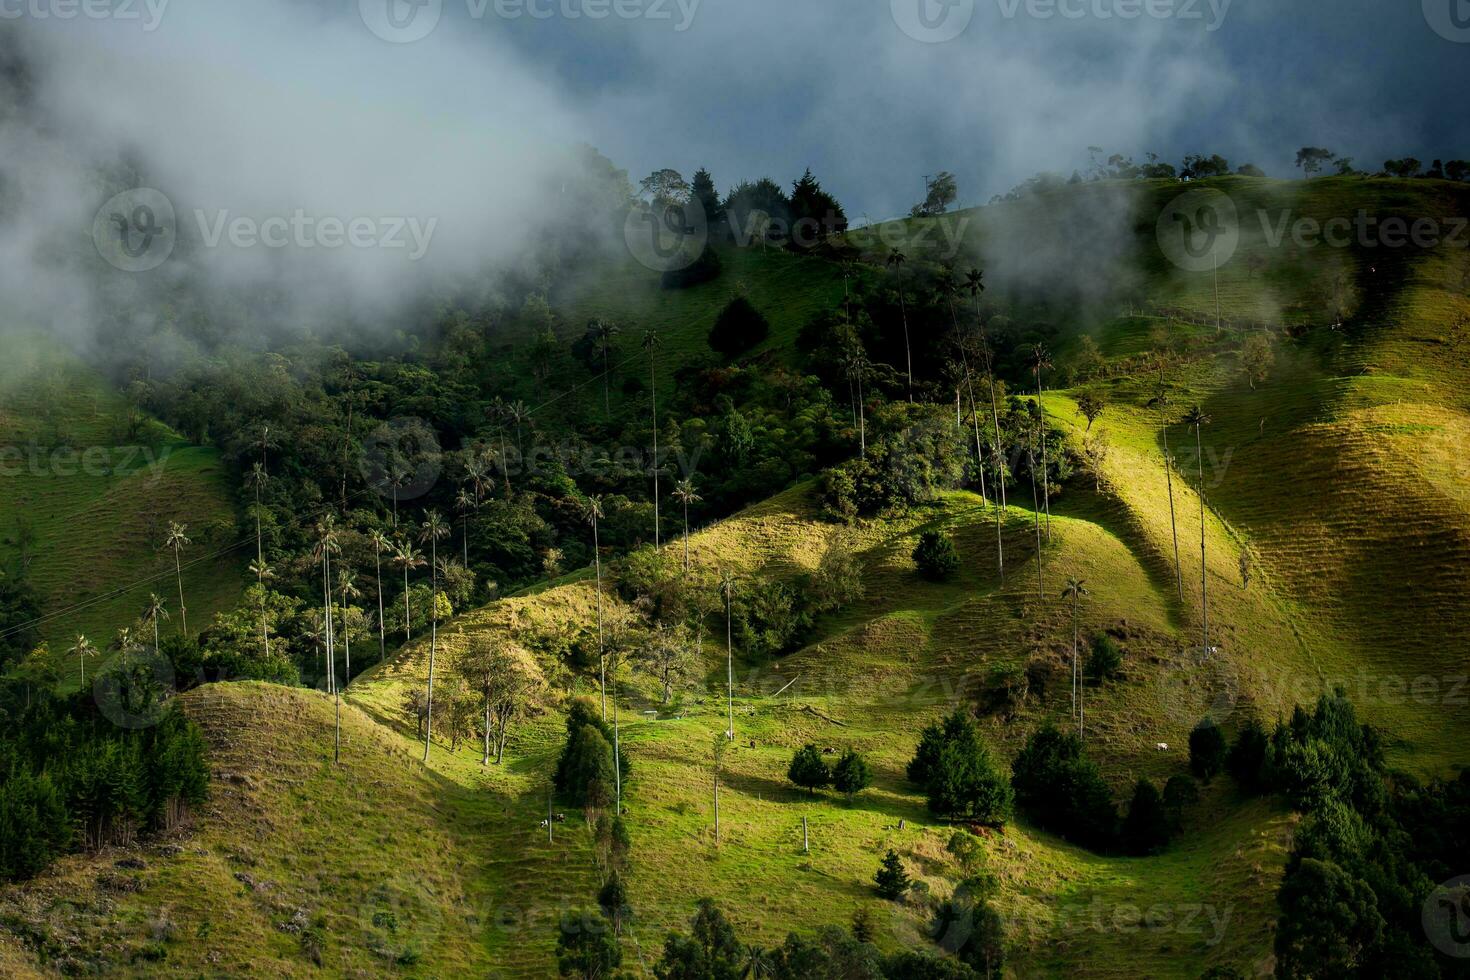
1311,160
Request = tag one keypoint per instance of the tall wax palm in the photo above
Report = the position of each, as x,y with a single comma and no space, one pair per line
975,283
1075,590
685,494
434,531
1197,418
960,345
855,362
124,640
82,649
651,343
1042,360
257,479
1161,402
407,558
347,588
326,546
1035,504
592,512
519,414
465,502
727,585
263,573
153,611
896,259
380,544
603,332
178,540
477,469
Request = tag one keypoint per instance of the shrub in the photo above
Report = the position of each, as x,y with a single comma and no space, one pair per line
892,880
961,781
807,769
705,268
1106,660
1146,828
838,580
739,327
584,771
1246,761
1180,792
936,556
851,775
1206,750
1063,791
769,618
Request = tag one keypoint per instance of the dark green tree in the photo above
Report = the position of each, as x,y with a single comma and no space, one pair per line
892,880
586,947
1206,750
1146,828
936,556
807,769
851,775
738,328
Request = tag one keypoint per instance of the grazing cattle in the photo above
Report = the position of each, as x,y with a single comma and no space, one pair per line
1162,747
829,751
561,818
545,823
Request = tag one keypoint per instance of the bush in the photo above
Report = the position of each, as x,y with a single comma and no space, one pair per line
838,580
739,327
1206,750
584,771
1180,792
769,618
1106,660
807,769
892,880
1246,761
851,775
705,268
936,557
1062,791
1146,828
961,781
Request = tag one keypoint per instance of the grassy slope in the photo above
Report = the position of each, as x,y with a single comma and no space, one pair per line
1349,496
99,526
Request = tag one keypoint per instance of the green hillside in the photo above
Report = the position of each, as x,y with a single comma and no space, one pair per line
90,489
1340,476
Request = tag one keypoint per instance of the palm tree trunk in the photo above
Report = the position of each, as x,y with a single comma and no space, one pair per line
653,389
730,665
1173,524
382,627
183,613
686,537
601,646
433,640
1036,512
1074,652
1203,570
1045,478
907,350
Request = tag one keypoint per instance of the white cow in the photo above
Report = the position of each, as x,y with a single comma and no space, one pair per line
1162,746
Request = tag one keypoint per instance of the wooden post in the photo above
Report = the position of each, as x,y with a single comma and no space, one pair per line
806,846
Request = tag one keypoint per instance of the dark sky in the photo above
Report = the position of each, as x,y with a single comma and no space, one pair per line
772,86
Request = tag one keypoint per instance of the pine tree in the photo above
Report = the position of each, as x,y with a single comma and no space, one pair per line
891,879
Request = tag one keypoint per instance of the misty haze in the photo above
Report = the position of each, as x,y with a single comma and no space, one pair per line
701,489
